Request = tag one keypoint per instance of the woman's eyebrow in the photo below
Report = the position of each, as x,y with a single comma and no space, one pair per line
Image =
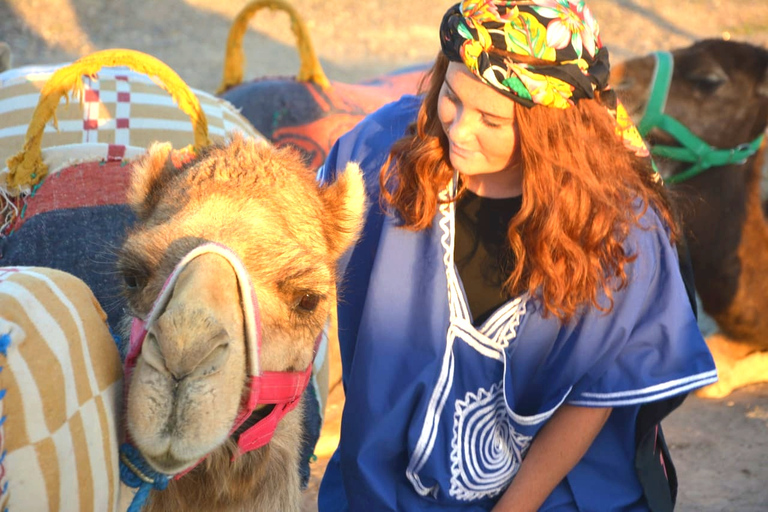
484,112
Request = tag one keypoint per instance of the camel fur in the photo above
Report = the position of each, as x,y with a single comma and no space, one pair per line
186,389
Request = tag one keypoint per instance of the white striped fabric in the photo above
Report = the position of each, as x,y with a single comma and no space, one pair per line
121,107
61,380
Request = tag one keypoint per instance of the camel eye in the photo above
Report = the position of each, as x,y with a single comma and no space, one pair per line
134,271
131,282
709,85
308,302
708,82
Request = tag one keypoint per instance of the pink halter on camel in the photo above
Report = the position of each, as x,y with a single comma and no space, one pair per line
281,389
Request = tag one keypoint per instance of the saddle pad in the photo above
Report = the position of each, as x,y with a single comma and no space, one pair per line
61,390
120,107
311,118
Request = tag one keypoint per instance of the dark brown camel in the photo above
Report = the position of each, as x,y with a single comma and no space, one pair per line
719,91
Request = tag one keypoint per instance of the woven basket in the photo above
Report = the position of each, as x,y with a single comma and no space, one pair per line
308,111
63,196
122,108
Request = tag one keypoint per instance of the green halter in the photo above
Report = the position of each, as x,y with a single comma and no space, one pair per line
693,150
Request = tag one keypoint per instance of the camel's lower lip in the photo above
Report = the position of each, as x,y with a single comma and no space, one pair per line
166,460
169,465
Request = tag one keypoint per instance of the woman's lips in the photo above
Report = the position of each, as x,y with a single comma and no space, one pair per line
459,151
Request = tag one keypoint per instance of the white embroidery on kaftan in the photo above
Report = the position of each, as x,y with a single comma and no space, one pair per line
486,451
491,341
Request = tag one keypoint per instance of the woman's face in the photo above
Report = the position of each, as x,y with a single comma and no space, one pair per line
481,128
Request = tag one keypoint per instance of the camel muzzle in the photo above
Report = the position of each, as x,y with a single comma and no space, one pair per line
279,391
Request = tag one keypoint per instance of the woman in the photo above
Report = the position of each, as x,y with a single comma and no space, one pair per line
513,323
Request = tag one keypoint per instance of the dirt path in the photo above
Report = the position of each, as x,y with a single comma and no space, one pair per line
720,446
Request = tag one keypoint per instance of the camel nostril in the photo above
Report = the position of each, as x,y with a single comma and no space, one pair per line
213,362
179,356
152,354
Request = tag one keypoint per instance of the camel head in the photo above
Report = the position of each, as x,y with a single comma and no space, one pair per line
719,91
191,375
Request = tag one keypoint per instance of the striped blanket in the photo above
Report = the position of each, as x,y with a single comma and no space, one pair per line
120,108
61,389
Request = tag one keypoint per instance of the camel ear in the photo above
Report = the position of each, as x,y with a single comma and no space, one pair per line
345,206
146,178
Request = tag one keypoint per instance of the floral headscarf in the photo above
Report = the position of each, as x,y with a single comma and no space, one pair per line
562,35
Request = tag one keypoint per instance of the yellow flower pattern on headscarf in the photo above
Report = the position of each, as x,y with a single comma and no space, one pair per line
627,130
487,34
525,35
473,49
545,90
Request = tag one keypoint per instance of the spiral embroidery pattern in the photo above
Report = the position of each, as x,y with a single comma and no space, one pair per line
486,451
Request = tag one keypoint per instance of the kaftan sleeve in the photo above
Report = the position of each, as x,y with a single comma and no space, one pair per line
368,145
649,347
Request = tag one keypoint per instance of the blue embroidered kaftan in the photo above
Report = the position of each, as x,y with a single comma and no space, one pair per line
439,414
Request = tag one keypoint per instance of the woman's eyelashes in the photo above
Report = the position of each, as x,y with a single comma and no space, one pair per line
490,124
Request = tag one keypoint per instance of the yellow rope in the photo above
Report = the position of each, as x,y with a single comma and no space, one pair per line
310,69
27,167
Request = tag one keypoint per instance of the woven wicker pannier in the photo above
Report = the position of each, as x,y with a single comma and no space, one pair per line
62,198
309,111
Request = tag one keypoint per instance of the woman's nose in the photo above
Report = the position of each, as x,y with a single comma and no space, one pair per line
460,128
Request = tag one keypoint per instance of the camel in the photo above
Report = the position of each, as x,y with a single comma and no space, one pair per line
719,91
240,245
189,383
243,245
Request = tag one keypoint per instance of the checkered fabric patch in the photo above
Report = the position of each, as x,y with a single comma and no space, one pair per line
120,108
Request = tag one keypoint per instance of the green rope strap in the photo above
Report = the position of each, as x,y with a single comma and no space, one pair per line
692,150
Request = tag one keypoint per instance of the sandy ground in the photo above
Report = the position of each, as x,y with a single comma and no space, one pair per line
720,446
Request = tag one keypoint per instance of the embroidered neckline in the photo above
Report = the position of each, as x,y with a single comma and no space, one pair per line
500,328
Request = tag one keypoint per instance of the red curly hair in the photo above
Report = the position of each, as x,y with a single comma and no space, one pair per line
581,188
